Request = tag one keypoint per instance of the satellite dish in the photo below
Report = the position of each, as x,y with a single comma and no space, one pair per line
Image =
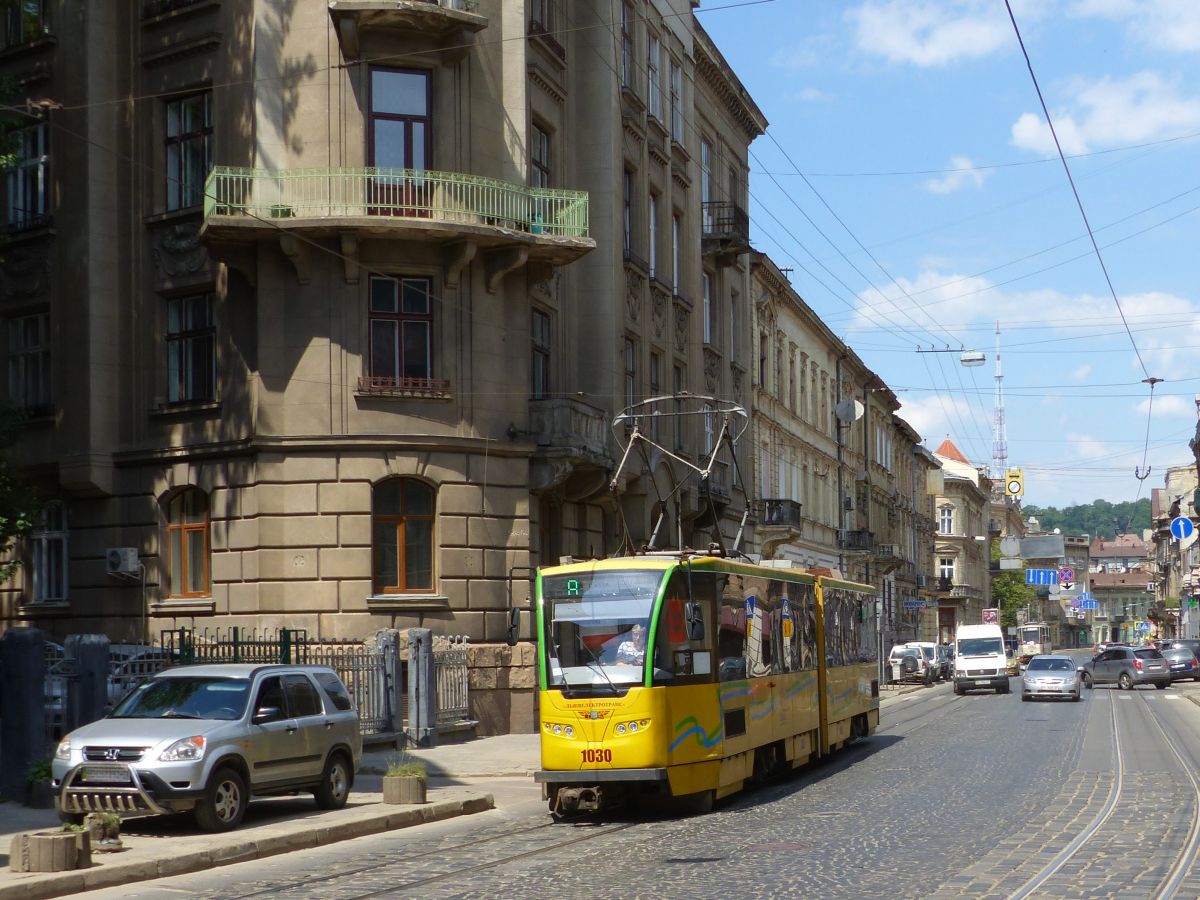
849,411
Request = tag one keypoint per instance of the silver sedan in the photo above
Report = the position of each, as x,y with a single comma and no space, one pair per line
1050,676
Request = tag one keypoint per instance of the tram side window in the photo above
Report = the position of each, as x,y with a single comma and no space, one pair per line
675,657
804,635
760,643
731,634
834,618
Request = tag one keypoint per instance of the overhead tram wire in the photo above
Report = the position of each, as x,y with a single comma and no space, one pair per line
1150,380
1008,165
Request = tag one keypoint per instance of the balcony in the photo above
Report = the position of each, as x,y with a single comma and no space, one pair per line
572,446
726,231
452,23
781,513
945,585
512,224
856,540
995,528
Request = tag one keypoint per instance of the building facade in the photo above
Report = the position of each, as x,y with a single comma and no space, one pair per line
1176,569
962,554
320,313
841,479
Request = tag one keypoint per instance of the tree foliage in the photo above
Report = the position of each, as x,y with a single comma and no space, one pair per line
1099,519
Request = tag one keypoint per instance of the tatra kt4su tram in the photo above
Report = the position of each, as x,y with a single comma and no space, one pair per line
673,675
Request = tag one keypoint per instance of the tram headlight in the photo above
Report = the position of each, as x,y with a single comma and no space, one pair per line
569,731
633,727
621,728
645,723
557,729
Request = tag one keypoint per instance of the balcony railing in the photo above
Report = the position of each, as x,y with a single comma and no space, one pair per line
447,197
404,387
726,225
945,585
781,512
857,540
568,424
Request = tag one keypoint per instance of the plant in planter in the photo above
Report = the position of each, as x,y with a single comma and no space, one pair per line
37,781
105,828
405,780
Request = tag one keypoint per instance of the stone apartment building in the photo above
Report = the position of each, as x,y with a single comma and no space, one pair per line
962,552
324,309
842,480
1175,571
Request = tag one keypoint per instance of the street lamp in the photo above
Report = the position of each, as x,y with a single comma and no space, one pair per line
968,358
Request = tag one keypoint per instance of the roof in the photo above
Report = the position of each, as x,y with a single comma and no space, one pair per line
1137,578
1122,546
949,451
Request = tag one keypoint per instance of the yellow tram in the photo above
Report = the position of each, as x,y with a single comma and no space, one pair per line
678,675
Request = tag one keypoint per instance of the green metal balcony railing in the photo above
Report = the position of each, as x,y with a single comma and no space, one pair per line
447,197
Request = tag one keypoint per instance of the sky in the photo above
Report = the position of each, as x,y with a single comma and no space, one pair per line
909,179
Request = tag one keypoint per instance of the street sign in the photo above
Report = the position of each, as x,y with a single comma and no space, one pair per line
1041,576
1076,603
1009,564
1010,546
914,603
1066,575
1181,527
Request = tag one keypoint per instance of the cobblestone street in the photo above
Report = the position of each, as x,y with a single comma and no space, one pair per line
896,815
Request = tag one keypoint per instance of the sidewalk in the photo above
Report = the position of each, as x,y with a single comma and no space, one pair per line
160,846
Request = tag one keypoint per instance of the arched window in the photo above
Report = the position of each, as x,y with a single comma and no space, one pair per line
187,544
402,529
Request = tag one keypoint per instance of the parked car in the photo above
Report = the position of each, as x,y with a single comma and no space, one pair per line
1011,665
1127,667
205,738
945,656
1183,663
131,664
1192,644
1104,645
906,662
1050,675
929,652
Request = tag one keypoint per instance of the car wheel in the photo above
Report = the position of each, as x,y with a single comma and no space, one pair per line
960,691
1087,681
334,789
224,802
1024,698
1162,685
1075,699
1124,682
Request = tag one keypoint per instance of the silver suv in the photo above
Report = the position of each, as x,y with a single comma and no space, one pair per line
204,738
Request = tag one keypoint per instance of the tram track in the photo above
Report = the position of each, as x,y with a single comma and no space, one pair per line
1168,888
471,846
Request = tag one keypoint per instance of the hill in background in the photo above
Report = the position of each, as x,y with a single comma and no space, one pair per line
1099,519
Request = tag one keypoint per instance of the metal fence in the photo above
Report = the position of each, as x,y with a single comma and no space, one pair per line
368,673
450,671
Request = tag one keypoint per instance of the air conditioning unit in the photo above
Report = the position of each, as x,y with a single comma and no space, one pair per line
922,580
122,561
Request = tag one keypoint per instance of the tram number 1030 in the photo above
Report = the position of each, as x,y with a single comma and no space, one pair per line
597,756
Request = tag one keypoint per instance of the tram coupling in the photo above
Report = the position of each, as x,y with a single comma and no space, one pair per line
573,800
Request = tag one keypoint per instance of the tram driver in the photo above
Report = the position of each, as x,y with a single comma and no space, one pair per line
632,651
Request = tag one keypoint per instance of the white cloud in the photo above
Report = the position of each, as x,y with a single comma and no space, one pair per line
938,296
1082,372
963,174
1165,24
930,33
1111,112
1083,446
811,95
1168,406
936,417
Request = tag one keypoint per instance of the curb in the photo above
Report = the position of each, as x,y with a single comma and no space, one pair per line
113,874
522,772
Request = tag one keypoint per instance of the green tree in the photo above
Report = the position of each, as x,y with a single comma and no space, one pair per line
1100,518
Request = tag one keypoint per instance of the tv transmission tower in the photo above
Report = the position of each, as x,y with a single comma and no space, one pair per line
999,435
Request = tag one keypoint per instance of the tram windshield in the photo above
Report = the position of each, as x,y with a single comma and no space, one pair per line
597,627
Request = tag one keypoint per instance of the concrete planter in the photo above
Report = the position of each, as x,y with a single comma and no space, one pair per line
403,789
50,851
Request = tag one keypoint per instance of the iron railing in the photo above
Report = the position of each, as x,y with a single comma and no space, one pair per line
447,197
856,540
781,512
450,673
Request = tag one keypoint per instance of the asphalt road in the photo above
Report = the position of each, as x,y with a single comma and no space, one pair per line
954,796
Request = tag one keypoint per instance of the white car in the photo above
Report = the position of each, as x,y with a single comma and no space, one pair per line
907,662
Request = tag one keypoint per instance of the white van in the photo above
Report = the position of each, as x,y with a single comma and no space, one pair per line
979,660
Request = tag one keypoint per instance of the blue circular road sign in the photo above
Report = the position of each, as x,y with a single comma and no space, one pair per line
1181,528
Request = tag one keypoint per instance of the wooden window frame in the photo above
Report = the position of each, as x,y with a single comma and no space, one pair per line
179,532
